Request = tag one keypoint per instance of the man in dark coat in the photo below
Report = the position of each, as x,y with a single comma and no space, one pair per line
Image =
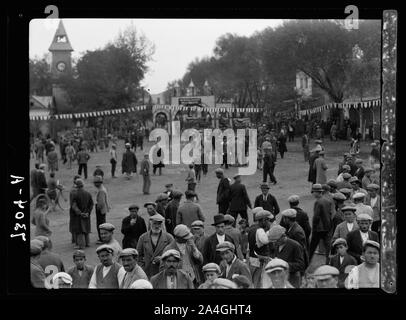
282,144
312,172
223,191
267,201
171,211
129,162
82,206
302,218
322,221
209,249
239,200
356,238
360,169
33,181
132,227
41,179
269,166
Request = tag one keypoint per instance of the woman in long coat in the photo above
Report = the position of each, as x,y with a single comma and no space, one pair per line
320,168
312,172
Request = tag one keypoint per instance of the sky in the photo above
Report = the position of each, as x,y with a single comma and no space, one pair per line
177,41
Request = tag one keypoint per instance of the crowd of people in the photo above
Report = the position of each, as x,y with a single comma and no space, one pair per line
170,249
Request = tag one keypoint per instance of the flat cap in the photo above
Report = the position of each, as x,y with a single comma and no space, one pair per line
373,144
182,231
264,214
97,179
128,252
211,267
264,186
339,196
276,264
127,145
168,185
177,194
141,284
340,241
255,211
197,224
346,167
79,182
358,195
346,176
162,196
326,187
353,179
79,253
276,232
372,244
345,190
368,169
133,206
229,218
349,208
36,246
293,198
359,161
224,246
150,203
332,183
171,253
364,216
104,247
107,226
317,187
241,281
373,186
157,217
65,277
42,166
219,170
290,213
365,210
325,272
225,283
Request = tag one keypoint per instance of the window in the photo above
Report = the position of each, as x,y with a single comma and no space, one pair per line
61,39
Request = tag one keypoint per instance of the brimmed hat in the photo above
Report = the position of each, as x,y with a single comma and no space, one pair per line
197,224
345,190
79,253
318,148
255,211
325,272
128,252
317,187
353,179
276,264
346,167
340,241
182,231
171,253
104,247
219,218
127,145
290,213
224,246
348,208
368,169
214,267
107,226
150,203
359,195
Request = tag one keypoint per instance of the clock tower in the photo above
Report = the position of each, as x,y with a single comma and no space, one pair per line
61,53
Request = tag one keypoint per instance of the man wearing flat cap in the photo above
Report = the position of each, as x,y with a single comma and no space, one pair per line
132,227
234,233
356,186
312,172
359,199
209,249
367,179
344,169
172,277
239,200
356,238
37,272
169,191
81,205
338,217
373,200
346,181
223,191
302,218
129,162
347,225
189,211
231,264
341,260
108,274
267,201
161,203
134,272
277,271
151,208
320,167
367,274
288,250
81,273
326,277
171,211
359,173
199,237
191,257
102,205
107,236
151,244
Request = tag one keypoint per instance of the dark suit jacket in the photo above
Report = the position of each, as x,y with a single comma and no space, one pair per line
223,191
322,215
303,220
132,232
354,242
209,249
237,267
348,261
239,200
270,204
183,280
292,253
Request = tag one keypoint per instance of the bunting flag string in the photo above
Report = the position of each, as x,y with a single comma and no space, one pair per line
346,105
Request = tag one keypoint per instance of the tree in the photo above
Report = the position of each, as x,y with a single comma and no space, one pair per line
40,77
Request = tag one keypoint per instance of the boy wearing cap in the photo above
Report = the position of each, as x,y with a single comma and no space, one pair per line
189,211
102,206
341,260
231,264
349,224
133,271
108,274
367,274
373,200
132,227
129,162
191,257
356,238
81,273
199,237
277,271
267,201
223,191
356,186
171,277
211,272
151,245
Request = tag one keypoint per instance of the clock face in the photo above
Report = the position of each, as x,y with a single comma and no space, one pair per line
61,66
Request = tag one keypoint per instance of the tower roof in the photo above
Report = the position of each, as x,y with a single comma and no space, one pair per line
60,41
191,85
206,84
